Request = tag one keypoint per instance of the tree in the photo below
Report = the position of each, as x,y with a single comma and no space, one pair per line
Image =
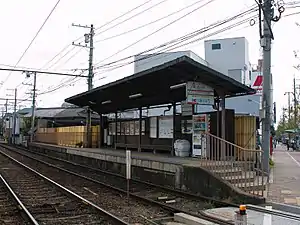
287,123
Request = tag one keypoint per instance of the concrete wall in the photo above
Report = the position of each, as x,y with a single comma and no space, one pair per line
193,179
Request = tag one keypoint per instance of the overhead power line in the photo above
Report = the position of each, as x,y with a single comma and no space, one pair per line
175,42
104,25
147,24
156,31
31,42
180,44
40,71
227,28
183,38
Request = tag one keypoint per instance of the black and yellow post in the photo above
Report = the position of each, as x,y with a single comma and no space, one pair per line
241,216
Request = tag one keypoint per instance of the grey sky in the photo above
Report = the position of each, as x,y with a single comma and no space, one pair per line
19,21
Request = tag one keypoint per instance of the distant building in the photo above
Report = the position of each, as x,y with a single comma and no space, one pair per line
230,56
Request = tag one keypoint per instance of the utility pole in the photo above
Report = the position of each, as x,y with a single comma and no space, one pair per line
266,35
5,115
295,105
266,44
89,39
33,105
289,104
15,118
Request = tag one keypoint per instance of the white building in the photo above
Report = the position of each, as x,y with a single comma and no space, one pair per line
147,61
230,56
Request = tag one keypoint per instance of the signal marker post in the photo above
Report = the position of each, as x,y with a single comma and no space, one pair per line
128,171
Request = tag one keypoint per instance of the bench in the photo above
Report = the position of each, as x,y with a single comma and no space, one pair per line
154,148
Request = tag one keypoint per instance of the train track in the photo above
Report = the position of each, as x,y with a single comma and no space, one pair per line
48,202
12,210
185,201
163,198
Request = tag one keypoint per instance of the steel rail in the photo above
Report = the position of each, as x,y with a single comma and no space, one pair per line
179,192
274,212
16,198
172,209
249,206
104,213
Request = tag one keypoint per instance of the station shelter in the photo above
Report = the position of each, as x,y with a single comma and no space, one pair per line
183,82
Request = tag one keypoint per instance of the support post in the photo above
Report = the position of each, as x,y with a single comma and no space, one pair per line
15,118
218,117
116,129
295,105
266,44
89,38
101,135
140,129
223,126
174,128
33,108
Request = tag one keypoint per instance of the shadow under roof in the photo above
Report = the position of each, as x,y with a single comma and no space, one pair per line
154,85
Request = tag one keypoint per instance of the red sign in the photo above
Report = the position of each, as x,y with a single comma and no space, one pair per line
258,83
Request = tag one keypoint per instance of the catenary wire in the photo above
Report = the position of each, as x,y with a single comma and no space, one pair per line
192,34
150,23
156,31
203,30
107,23
31,42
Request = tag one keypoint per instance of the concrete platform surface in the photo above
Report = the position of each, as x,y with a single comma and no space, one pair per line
188,174
285,177
134,154
253,217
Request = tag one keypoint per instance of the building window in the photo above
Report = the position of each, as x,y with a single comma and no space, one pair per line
216,46
250,77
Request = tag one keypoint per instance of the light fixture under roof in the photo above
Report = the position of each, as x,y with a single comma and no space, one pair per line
178,86
106,102
135,95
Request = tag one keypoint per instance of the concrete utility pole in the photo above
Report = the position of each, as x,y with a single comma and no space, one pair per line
266,35
289,103
266,44
28,74
15,118
89,39
295,105
5,115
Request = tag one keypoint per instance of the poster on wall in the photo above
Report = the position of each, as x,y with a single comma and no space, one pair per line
165,126
118,128
200,126
127,128
131,127
153,127
122,128
137,127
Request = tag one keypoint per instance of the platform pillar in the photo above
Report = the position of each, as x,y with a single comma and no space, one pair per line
223,126
140,129
101,131
116,129
174,128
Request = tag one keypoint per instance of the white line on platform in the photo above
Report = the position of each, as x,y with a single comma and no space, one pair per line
298,163
267,217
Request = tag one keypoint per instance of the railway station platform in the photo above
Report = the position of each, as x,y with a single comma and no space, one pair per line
188,174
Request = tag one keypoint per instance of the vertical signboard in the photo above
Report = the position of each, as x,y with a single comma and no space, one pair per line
198,93
200,126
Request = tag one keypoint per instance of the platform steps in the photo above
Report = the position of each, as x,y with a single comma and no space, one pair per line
246,180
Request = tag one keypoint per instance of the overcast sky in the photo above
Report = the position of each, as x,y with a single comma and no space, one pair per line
20,20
